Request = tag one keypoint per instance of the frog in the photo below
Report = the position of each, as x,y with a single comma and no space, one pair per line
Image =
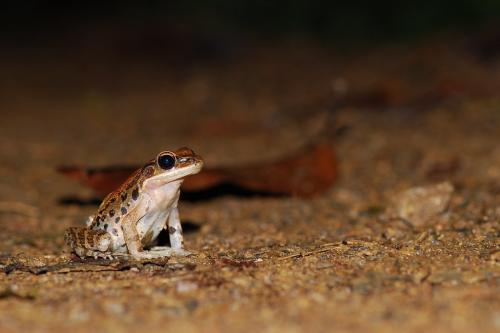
129,219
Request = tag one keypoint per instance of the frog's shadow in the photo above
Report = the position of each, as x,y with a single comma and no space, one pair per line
211,193
224,190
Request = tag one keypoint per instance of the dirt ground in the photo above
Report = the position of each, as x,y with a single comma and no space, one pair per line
402,116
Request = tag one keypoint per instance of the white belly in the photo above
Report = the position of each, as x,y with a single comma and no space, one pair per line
154,208
157,208
152,223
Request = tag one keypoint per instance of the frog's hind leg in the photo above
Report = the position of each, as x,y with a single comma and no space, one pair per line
89,243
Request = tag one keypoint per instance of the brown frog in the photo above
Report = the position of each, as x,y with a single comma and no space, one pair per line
130,218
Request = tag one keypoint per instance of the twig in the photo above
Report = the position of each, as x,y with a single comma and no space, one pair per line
323,248
79,266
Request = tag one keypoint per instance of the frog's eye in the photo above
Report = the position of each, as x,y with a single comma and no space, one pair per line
166,161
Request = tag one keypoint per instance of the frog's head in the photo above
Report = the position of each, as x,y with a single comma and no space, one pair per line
170,166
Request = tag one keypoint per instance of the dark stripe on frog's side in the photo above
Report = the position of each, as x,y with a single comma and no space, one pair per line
89,240
84,241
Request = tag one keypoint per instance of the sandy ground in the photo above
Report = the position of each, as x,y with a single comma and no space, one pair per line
338,262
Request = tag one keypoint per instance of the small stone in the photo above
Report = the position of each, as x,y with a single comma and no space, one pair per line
419,276
192,304
186,286
419,205
495,256
115,308
318,298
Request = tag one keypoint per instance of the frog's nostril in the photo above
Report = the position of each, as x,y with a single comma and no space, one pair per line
184,151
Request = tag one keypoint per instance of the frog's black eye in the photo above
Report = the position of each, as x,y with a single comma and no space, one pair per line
166,161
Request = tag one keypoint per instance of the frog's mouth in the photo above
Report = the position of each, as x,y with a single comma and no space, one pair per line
184,168
187,161
191,167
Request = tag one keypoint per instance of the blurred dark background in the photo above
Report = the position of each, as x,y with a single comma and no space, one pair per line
35,22
60,48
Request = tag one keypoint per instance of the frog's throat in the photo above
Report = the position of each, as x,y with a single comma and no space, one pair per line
174,175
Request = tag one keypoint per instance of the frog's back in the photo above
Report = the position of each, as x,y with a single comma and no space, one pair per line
116,204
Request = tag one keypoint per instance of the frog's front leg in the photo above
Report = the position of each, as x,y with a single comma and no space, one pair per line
174,229
133,240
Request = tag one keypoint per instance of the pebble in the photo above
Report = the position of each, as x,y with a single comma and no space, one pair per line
420,205
186,286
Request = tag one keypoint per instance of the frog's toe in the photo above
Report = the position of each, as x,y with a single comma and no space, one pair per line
146,255
182,253
171,251
152,254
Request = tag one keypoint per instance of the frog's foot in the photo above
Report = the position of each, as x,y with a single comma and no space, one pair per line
173,252
158,252
86,253
99,255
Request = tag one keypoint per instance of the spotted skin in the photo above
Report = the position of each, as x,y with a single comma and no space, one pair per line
130,218
88,243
